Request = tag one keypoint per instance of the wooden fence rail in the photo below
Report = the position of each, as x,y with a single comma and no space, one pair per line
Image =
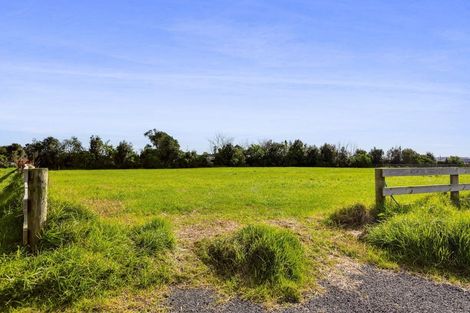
382,191
34,205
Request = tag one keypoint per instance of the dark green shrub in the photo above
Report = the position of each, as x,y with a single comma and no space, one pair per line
354,216
259,255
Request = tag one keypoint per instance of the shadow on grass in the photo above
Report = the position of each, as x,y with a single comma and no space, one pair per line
11,215
5,177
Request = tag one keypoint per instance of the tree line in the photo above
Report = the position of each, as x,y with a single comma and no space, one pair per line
164,151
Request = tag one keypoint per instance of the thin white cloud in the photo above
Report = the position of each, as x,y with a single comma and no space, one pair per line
207,80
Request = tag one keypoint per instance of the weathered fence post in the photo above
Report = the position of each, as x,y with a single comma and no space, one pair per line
25,207
379,187
37,204
455,195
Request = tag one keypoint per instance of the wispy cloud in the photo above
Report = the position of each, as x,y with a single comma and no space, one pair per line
208,80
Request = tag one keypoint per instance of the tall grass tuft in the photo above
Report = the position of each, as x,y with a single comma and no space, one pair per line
259,256
353,216
153,237
430,233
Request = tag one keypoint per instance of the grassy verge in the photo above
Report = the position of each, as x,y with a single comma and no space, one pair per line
80,256
431,233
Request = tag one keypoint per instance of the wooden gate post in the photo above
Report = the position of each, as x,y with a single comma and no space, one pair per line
379,187
25,207
455,195
37,204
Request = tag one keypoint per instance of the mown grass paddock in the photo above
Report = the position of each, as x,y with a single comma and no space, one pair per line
235,192
197,204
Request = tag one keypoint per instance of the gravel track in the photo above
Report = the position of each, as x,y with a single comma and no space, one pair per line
355,289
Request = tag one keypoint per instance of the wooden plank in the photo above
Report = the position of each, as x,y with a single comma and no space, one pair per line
394,172
424,189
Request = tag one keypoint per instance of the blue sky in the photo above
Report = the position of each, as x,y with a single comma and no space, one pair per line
361,73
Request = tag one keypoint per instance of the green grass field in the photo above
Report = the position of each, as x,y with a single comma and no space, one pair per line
198,204
229,192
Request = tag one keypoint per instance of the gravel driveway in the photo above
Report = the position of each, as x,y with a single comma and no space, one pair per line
353,288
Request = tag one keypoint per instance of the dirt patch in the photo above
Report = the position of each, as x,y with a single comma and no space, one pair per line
191,233
149,300
344,274
105,208
295,226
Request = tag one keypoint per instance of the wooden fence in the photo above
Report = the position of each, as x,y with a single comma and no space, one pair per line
382,191
34,204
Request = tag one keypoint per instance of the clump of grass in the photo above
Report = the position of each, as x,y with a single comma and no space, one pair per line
154,237
354,216
67,225
82,256
270,259
432,233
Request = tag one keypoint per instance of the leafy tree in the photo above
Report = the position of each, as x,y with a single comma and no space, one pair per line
275,153
125,156
312,156
191,159
410,157
342,157
427,159
394,155
149,158
3,157
377,156
73,154
219,141
167,148
3,161
255,155
328,155
101,153
14,152
361,159
230,155
454,160
45,153
296,154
